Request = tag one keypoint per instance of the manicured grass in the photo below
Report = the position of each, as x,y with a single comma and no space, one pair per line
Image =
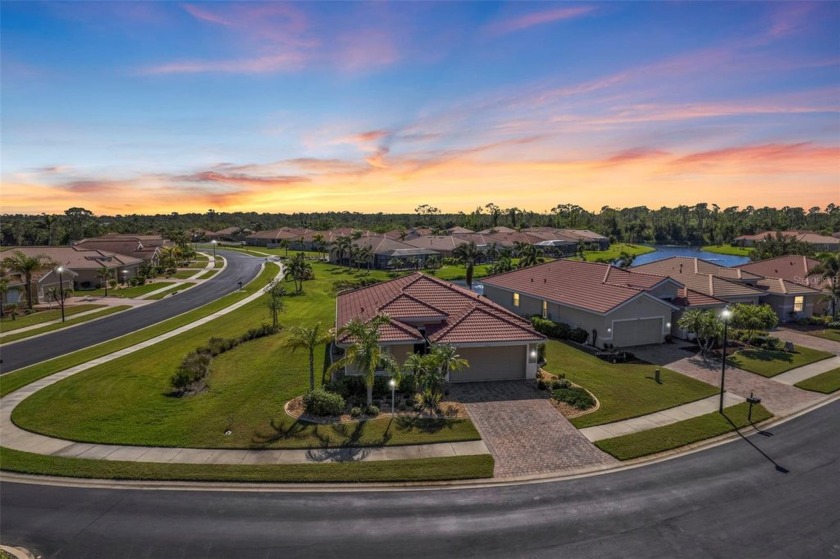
771,363
58,326
159,296
126,292
728,249
10,382
457,272
682,433
208,274
828,334
184,274
826,383
8,325
615,250
127,400
424,469
625,390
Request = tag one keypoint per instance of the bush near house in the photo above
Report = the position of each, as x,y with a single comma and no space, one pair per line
559,330
322,403
574,396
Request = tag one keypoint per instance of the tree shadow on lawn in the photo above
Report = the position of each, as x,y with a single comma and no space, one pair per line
296,430
425,425
762,355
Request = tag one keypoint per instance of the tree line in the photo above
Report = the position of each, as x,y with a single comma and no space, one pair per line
698,224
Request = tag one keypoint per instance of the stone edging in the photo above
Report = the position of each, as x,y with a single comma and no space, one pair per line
584,412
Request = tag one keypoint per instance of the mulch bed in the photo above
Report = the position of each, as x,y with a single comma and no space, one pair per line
448,410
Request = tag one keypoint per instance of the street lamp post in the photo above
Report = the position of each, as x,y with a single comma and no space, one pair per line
124,277
214,251
61,291
393,384
726,314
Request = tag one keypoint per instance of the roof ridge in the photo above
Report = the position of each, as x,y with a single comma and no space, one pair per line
402,294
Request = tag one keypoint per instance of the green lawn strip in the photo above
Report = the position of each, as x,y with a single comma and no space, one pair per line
728,249
826,382
208,274
52,327
625,390
681,433
771,363
9,325
615,250
423,469
126,292
184,274
830,334
12,381
127,401
168,292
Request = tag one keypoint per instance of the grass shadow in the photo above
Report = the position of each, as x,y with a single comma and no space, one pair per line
426,425
279,432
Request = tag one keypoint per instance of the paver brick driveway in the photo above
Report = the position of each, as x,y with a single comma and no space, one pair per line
524,432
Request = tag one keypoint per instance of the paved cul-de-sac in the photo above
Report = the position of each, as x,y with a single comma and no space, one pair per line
524,432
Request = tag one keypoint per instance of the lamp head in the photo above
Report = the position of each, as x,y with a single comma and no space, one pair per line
60,269
392,383
726,314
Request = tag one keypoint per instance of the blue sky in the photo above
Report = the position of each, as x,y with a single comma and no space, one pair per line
127,107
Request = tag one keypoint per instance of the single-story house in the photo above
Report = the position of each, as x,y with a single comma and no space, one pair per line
145,247
615,306
85,264
383,253
823,243
277,237
424,310
445,245
796,269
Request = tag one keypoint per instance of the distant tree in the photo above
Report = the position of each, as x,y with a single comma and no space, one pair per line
529,256
26,267
4,289
467,254
299,270
501,265
343,244
625,259
829,270
104,274
779,245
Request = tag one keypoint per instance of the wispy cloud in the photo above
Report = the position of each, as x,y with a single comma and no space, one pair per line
522,22
262,64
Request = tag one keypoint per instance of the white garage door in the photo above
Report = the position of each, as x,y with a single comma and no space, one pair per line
628,333
491,363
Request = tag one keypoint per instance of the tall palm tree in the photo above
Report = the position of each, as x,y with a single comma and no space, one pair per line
342,246
467,254
4,288
366,355
308,338
104,274
829,270
276,292
318,243
529,256
27,266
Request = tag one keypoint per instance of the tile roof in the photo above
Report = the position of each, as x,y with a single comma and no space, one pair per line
804,236
451,314
793,268
684,270
690,298
592,286
679,264
444,243
499,229
779,286
82,258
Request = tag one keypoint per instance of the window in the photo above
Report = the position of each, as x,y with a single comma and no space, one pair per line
516,299
798,303
545,309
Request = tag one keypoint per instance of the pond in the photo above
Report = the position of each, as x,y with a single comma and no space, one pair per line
666,251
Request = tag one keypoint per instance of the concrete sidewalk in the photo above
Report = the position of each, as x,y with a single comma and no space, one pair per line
805,372
660,418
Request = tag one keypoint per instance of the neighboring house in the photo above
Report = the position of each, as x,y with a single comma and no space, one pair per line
443,244
457,230
738,285
821,243
793,268
385,253
615,306
145,247
423,310
499,229
86,263
230,234
276,237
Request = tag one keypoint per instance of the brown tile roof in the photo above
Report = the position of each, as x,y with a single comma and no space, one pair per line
444,243
81,258
679,264
793,268
804,236
499,229
592,286
454,314
690,298
781,286
684,271
458,230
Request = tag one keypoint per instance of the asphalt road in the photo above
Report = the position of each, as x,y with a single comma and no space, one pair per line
776,495
241,267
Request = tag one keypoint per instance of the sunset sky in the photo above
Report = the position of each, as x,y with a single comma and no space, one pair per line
155,107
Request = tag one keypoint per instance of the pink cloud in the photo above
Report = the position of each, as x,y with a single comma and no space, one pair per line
537,18
243,179
289,61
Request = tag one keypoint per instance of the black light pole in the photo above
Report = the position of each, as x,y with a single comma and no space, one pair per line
214,252
61,291
725,314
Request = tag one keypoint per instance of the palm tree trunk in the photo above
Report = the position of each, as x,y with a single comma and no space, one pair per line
311,368
369,393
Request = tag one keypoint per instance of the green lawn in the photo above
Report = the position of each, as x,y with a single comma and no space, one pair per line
126,292
625,390
184,274
681,433
127,400
615,250
8,325
159,296
771,363
728,249
424,469
10,382
58,326
208,274
826,383
829,334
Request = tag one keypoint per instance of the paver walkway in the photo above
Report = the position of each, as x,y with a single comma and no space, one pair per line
524,432
781,399
800,338
808,371
658,419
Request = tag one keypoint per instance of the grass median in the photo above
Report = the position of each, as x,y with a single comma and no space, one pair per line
424,469
105,311
769,363
9,325
625,390
825,383
10,382
682,433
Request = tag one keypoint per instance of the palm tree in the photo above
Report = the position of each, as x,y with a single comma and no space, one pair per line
365,256
27,266
4,288
299,269
704,324
308,338
366,355
625,259
104,274
276,292
284,244
529,256
829,270
467,254
318,243
342,246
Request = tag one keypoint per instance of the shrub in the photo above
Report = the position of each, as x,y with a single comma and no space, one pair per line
574,396
372,411
356,411
408,384
578,335
348,386
560,383
772,343
542,384
320,402
834,325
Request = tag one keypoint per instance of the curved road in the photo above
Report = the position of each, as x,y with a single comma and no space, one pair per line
241,267
775,495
